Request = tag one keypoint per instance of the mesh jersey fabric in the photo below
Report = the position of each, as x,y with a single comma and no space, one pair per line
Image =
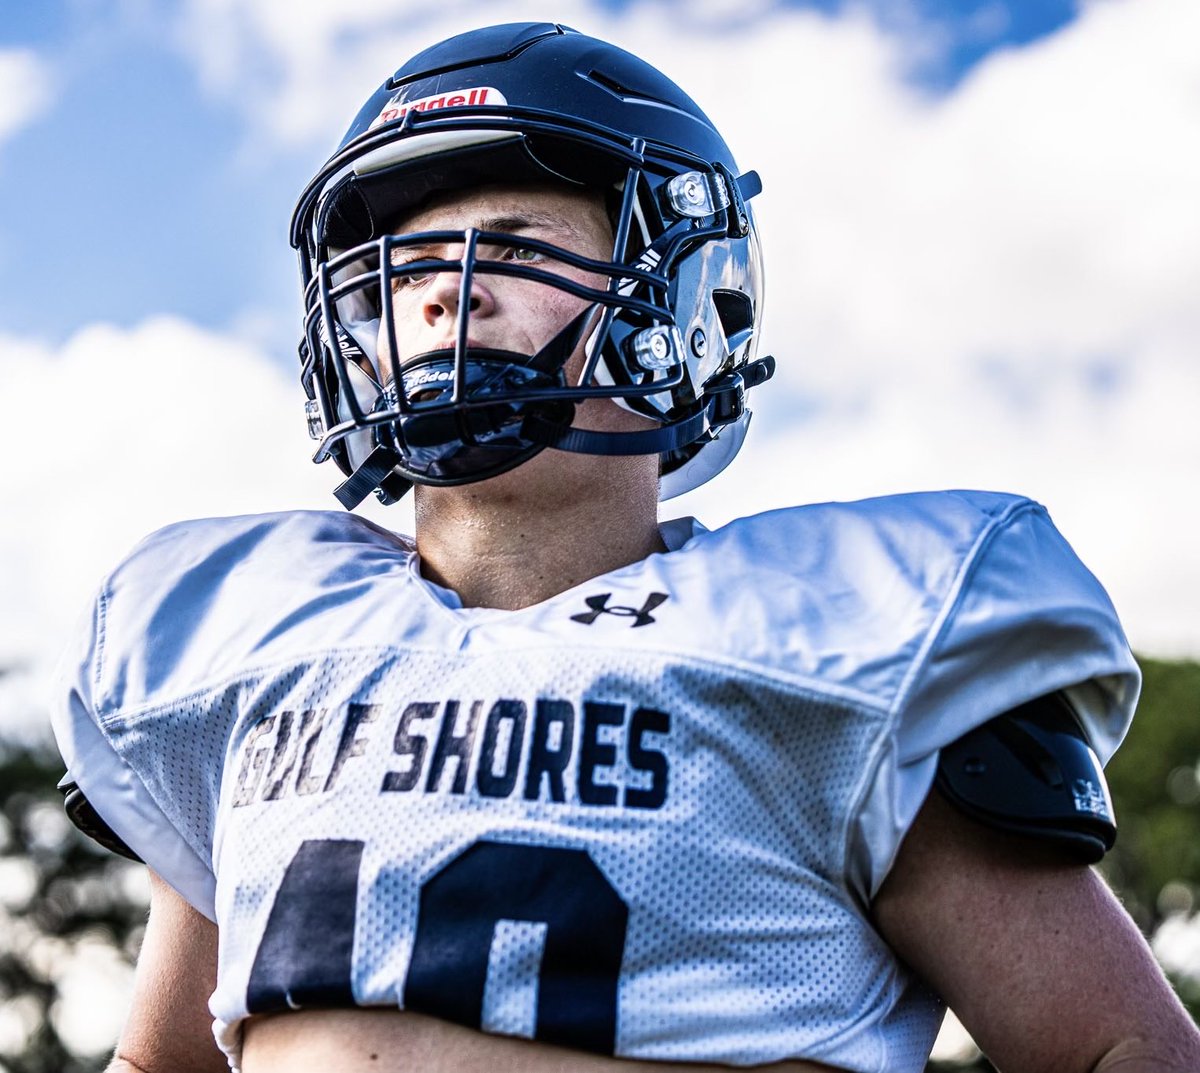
645,817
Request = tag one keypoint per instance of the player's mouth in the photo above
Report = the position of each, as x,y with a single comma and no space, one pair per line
450,344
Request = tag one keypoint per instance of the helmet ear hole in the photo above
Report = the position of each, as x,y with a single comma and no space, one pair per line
735,311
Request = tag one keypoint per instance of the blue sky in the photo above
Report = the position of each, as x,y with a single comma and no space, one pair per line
139,190
136,190
981,233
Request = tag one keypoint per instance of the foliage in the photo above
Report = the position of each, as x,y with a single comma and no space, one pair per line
1155,780
60,897
59,894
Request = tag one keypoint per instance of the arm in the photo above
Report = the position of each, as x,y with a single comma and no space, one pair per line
1036,957
169,1028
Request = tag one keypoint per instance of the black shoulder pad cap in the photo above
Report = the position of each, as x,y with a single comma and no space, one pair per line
88,820
1031,771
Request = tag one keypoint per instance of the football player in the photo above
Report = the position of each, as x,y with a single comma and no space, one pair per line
553,786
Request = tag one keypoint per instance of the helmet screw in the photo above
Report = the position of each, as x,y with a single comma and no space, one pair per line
316,425
699,342
657,347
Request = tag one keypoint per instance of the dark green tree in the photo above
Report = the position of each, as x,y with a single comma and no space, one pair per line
1155,781
67,892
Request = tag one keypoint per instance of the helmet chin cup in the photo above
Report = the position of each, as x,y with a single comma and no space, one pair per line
463,414
672,322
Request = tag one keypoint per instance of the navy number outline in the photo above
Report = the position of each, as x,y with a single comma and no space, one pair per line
305,956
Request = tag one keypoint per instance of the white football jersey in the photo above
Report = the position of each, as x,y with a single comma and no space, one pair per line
645,817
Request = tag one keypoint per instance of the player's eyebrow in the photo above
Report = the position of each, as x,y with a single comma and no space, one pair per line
526,221
511,223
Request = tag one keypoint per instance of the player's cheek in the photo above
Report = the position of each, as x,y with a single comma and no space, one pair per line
403,311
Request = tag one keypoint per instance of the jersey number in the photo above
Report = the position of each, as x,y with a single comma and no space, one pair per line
306,953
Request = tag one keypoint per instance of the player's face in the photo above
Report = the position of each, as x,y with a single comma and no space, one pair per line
506,313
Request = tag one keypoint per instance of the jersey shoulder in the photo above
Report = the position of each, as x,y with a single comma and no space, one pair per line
200,598
946,610
915,526
936,554
217,543
137,706
847,594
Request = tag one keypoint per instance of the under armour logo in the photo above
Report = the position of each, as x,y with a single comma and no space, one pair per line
599,606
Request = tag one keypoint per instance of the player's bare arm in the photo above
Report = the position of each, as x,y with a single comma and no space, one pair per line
362,1041
1032,952
169,1026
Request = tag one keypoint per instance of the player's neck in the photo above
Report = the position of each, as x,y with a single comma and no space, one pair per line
509,543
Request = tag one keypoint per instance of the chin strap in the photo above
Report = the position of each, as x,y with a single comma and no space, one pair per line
376,471
724,402
585,441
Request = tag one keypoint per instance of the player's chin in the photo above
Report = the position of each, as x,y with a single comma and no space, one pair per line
551,480
605,415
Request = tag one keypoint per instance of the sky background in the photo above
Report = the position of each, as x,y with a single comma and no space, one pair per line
982,237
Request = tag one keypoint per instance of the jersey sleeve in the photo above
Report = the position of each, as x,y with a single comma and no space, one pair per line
1024,618
94,743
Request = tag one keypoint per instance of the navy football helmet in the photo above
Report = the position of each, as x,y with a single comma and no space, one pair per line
670,334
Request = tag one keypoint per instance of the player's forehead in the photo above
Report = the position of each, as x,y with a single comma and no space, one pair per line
573,218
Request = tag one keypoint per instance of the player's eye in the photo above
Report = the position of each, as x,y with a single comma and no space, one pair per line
404,274
521,255
401,280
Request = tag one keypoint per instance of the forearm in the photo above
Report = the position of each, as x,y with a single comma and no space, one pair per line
1141,1056
166,1064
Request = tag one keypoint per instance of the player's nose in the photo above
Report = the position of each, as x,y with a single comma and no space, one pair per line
442,296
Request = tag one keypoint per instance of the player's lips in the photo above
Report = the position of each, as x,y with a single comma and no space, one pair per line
473,342
446,346
450,344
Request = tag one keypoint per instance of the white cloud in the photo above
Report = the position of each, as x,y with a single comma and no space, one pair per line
302,70
24,90
126,430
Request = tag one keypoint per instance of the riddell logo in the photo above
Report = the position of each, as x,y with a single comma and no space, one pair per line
428,376
460,98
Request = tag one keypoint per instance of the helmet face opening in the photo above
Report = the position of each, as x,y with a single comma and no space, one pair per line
660,323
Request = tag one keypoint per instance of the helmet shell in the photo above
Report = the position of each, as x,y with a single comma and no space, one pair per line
540,102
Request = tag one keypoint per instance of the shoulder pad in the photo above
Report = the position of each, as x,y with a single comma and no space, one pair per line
81,813
1032,772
